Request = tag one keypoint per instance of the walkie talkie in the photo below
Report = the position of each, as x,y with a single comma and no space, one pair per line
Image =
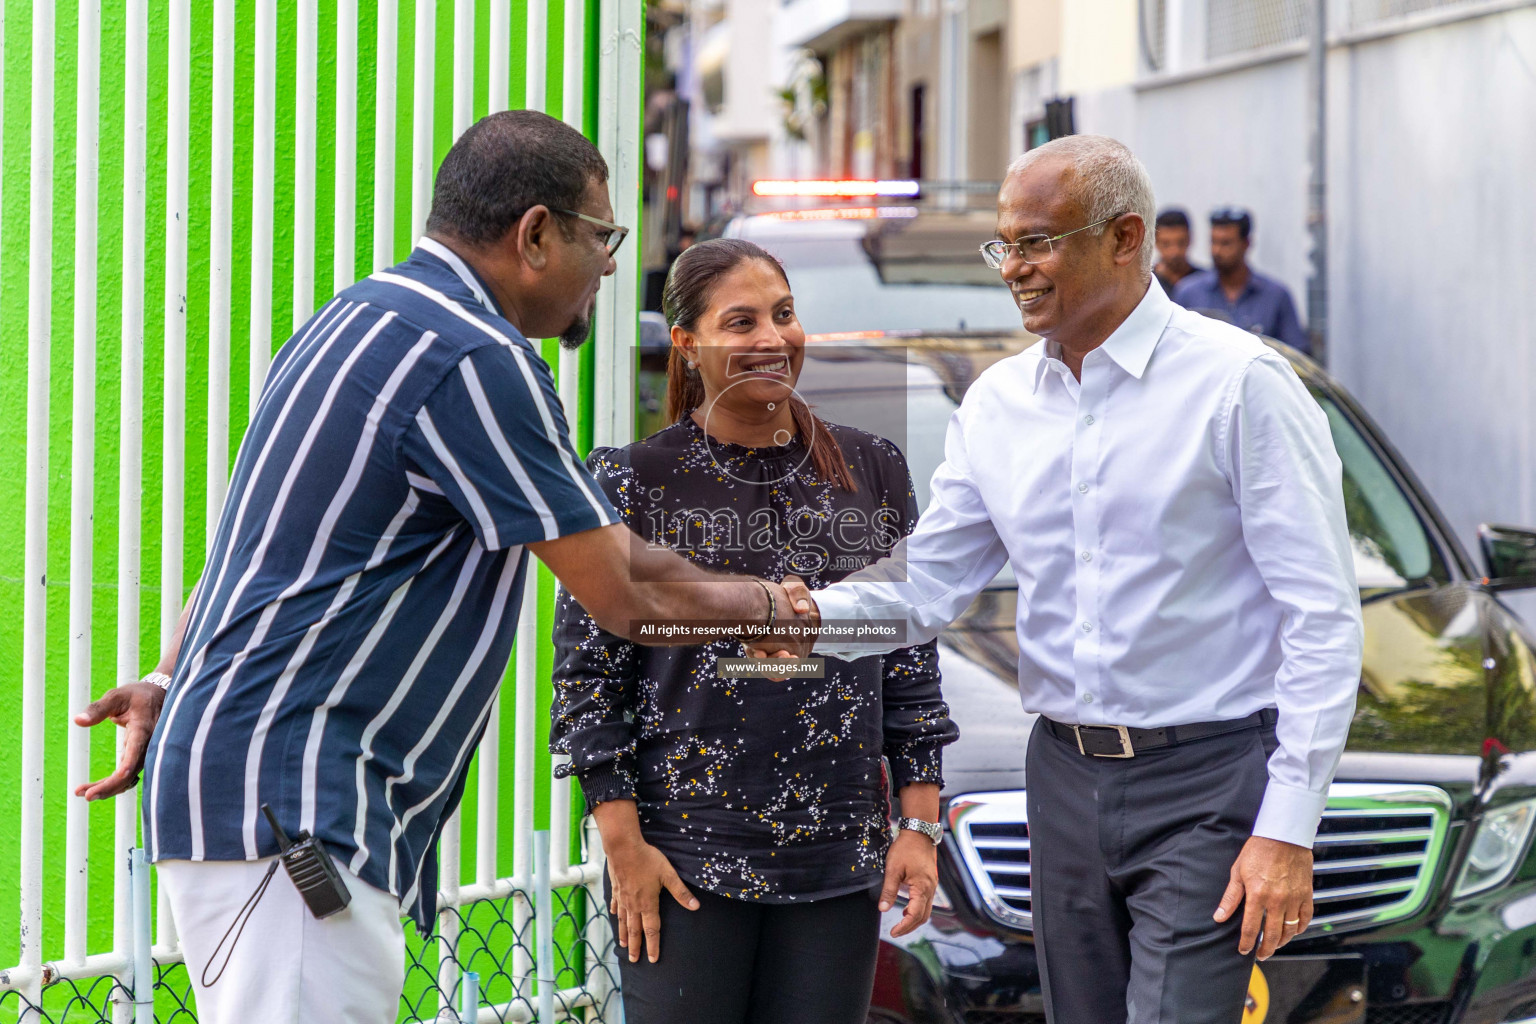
310,867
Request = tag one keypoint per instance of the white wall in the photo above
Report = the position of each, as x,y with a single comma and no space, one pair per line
1098,44
752,73
1235,139
1432,214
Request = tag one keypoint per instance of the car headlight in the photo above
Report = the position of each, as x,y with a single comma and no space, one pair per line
1497,847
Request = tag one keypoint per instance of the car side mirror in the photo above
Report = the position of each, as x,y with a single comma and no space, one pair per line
1509,555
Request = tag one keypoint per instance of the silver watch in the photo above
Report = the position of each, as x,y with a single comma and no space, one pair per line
160,679
932,829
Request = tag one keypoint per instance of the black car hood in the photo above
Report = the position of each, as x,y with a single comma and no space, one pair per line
1448,678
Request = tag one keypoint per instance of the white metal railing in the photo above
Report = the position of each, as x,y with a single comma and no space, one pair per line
47,957
35,558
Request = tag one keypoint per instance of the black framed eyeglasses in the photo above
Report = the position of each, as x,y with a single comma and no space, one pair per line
1031,248
616,233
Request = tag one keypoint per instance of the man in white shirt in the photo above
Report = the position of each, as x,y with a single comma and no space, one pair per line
1170,500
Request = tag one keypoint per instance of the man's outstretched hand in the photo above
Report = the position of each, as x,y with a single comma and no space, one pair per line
798,617
135,707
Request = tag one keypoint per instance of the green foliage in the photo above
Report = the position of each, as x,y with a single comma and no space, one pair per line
1455,712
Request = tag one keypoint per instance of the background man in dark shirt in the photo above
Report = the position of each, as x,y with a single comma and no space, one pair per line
1247,298
1171,237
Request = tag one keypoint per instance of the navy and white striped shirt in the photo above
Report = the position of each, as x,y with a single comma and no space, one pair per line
361,596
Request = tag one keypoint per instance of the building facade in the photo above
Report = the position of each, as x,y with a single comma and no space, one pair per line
938,90
1430,103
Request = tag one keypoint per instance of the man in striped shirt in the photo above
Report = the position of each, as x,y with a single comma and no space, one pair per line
354,619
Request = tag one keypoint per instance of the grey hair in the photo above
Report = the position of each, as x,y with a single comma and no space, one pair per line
1108,181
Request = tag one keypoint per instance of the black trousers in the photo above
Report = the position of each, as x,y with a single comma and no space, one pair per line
738,962
1128,861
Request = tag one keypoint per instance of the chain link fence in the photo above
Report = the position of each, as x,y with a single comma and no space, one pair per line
104,1000
498,941
517,970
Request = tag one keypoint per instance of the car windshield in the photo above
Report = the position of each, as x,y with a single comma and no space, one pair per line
921,273
1392,548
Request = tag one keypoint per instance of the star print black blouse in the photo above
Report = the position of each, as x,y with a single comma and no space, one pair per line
752,788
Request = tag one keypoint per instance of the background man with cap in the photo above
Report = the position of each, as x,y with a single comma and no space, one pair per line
1244,296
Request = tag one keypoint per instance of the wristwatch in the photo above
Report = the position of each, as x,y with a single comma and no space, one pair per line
160,679
932,829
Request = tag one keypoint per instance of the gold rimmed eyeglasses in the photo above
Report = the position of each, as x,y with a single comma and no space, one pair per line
1031,248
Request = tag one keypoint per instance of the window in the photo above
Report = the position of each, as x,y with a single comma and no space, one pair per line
919,132
1036,133
1237,26
1153,30
1392,548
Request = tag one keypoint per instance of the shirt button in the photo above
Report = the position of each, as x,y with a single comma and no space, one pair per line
1087,556
1082,488
1088,419
1087,698
1087,627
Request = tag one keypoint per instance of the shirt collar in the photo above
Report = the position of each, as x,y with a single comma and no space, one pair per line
466,274
1255,286
1131,344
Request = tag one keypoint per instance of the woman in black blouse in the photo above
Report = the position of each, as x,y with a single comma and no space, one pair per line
760,806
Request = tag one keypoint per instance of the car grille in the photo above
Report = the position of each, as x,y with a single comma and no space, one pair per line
1374,858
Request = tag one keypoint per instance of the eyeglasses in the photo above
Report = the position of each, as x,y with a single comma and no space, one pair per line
615,236
1031,248
1231,215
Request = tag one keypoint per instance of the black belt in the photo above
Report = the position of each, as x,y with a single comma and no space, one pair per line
1121,741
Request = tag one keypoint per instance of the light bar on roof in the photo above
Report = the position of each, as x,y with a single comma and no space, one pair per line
846,213
834,188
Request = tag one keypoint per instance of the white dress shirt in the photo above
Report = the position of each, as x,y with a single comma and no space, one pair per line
1176,525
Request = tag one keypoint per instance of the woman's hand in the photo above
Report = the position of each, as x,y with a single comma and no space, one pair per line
913,862
638,872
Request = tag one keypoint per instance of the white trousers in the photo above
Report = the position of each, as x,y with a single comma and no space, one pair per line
288,967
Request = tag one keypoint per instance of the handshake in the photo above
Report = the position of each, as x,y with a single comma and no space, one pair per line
795,622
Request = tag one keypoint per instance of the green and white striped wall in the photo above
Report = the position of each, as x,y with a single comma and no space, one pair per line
184,181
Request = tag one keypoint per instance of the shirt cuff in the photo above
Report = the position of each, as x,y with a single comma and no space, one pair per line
917,761
837,604
611,781
1290,814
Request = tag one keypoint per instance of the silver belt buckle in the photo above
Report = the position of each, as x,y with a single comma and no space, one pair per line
1126,750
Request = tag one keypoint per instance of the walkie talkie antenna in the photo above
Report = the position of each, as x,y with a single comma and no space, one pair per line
283,842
